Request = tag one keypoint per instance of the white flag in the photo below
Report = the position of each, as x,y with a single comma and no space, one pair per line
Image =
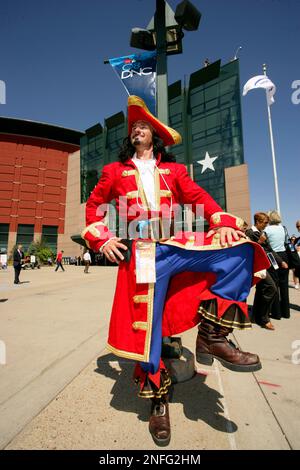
261,81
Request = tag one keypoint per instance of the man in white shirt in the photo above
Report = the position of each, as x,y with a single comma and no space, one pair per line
87,261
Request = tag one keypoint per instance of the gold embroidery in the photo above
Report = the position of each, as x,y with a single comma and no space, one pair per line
149,321
239,222
146,326
92,229
141,191
164,171
162,391
165,193
128,173
132,194
216,246
127,355
216,219
140,299
140,325
222,321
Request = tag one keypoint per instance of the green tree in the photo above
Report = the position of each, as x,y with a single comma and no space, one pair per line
41,250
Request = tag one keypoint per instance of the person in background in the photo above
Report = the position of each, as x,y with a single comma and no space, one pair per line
296,271
298,228
266,289
3,258
59,260
18,256
87,261
297,246
276,236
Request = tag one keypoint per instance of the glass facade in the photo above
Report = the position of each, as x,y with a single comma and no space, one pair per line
25,235
92,155
206,112
216,127
4,231
49,236
98,147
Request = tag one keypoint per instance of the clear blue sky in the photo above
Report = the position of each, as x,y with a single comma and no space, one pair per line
51,59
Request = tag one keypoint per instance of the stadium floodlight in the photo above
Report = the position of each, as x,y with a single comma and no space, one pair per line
187,16
142,39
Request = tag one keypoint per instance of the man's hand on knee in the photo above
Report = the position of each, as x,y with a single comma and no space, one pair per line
227,235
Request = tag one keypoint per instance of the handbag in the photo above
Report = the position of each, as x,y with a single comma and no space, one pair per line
292,254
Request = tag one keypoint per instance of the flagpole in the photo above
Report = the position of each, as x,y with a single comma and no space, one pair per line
272,147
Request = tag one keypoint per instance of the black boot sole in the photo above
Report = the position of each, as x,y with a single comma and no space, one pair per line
208,359
161,442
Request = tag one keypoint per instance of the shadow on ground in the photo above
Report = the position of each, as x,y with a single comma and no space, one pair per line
295,307
199,401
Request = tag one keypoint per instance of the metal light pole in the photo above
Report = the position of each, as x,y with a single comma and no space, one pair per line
162,107
272,148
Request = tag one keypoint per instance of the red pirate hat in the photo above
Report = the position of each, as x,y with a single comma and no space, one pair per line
138,111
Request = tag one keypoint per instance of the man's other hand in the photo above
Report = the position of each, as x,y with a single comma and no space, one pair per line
112,250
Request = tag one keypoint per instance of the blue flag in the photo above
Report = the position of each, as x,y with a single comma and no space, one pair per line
137,72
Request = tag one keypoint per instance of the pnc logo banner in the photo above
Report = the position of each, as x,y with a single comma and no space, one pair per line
137,72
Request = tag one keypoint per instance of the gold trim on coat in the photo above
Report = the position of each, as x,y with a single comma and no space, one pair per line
146,326
92,229
165,193
128,173
216,219
140,325
191,246
132,194
222,321
140,191
140,298
127,355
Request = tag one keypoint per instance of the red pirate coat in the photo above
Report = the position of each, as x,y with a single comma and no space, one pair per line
131,319
121,182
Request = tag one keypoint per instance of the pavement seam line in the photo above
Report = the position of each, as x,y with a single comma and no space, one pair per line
54,363
230,431
267,401
49,403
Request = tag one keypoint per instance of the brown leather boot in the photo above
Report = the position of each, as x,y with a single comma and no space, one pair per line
159,423
212,343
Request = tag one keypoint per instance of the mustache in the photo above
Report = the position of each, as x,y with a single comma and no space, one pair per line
136,141
136,138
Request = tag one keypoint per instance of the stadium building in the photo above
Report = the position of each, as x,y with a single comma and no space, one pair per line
47,172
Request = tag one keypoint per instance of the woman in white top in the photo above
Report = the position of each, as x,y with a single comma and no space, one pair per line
276,237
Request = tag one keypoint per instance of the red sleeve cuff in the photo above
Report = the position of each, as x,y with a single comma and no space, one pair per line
224,219
95,235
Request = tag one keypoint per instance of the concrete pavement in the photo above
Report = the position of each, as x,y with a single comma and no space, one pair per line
60,388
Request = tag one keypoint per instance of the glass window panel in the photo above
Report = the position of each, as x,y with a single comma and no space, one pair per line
4,231
25,235
49,236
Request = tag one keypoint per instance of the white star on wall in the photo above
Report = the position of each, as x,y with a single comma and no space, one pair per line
207,162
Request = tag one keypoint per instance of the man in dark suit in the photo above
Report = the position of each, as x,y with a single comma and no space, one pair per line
17,257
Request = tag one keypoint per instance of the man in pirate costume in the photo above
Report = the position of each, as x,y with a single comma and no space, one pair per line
170,283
